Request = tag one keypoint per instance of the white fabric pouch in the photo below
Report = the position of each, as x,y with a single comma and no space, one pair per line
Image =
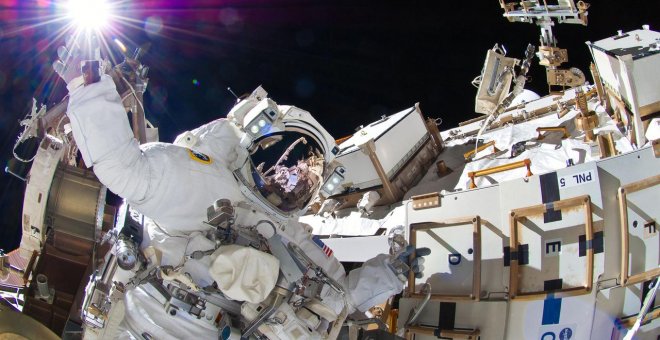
244,273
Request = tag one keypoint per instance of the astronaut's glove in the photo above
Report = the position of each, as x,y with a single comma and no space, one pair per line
81,51
403,263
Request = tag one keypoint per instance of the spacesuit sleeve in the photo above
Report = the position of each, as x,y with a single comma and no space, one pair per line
373,283
105,139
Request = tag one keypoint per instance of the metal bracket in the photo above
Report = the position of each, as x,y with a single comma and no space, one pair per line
431,200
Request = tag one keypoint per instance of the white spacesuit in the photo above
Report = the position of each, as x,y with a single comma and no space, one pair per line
174,185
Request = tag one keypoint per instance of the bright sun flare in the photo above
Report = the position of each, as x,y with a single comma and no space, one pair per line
89,14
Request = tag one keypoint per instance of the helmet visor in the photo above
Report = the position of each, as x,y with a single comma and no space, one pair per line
287,169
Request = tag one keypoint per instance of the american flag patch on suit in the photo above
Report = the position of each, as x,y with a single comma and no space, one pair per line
326,250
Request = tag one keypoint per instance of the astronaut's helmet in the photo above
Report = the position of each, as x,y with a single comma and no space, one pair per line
286,169
290,157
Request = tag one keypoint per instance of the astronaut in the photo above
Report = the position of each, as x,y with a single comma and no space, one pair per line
176,185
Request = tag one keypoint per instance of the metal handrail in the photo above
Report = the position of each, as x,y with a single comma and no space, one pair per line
561,129
500,168
476,255
641,317
471,153
623,213
516,214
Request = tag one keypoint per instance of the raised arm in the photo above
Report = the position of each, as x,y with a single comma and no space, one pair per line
105,139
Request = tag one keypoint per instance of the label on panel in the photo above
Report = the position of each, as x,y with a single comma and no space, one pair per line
576,179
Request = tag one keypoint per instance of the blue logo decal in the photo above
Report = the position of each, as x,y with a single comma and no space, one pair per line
565,334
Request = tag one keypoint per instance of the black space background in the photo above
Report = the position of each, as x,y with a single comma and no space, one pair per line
347,62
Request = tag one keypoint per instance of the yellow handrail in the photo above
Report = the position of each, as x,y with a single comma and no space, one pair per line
475,294
629,322
561,129
471,153
538,209
623,213
500,168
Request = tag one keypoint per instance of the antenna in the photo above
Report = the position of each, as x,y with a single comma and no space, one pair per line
232,93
